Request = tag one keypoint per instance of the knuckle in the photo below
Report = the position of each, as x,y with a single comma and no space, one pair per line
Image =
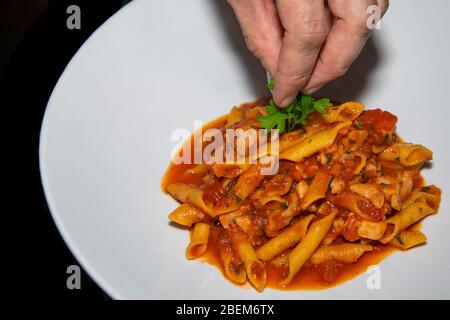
312,32
339,70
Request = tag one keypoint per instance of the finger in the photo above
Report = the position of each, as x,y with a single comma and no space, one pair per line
345,41
261,28
306,25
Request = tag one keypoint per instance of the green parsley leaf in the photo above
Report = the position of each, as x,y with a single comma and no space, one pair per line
294,114
271,84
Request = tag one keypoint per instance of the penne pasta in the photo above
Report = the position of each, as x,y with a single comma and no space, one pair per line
310,242
406,154
245,185
233,267
345,252
186,215
407,239
404,219
348,111
317,190
315,143
199,241
255,269
185,193
285,240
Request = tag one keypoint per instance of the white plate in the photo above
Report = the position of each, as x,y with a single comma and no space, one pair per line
159,65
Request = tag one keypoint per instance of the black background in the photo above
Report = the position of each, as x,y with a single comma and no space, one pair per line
39,256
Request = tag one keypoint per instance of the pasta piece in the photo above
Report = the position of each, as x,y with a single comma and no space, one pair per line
290,139
404,219
307,147
310,242
199,241
285,240
348,111
281,261
232,266
186,215
406,185
371,230
255,269
345,252
245,185
316,190
185,193
431,195
406,154
235,116
408,239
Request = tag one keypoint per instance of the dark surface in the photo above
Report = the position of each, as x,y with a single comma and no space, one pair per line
39,256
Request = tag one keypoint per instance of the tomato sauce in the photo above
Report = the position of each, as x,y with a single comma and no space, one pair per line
310,277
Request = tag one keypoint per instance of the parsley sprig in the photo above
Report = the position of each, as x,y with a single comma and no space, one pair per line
295,114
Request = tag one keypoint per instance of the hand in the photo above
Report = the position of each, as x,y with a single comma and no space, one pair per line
304,43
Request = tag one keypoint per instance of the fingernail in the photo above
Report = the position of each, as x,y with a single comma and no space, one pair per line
309,91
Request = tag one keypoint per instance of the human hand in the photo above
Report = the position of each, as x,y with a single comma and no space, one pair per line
305,43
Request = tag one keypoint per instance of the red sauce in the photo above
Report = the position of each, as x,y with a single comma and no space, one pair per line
310,277
378,123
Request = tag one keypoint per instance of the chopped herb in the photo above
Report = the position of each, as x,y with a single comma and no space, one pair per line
238,199
399,239
294,114
425,189
271,84
386,138
329,156
284,205
383,185
351,141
